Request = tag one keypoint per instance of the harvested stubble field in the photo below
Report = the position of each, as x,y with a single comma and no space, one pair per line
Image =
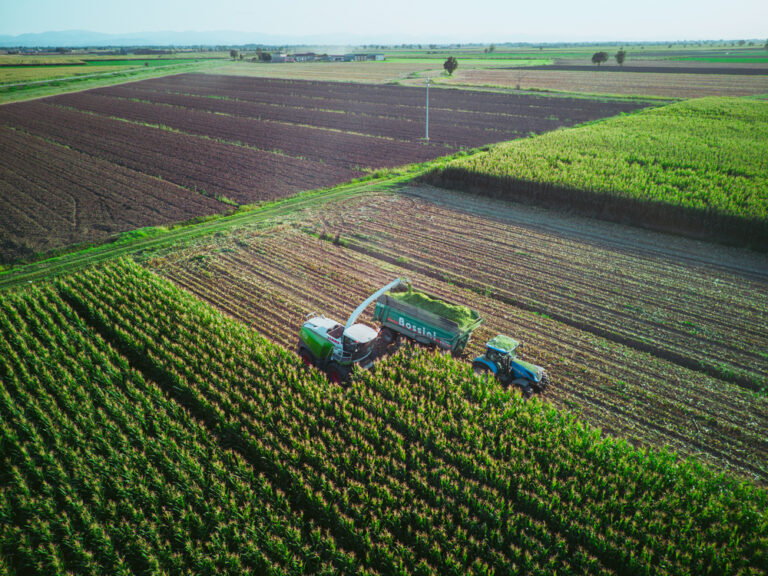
666,85
234,141
660,68
15,75
364,72
658,341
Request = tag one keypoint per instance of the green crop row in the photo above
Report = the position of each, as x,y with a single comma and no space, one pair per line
142,431
697,167
102,473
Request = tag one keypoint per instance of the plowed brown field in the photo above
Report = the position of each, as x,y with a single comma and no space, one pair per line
219,141
662,84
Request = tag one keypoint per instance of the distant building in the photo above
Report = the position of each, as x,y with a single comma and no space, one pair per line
312,57
305,57
281,57
363,57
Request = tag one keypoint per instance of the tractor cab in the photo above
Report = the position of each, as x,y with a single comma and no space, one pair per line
502,347
353,342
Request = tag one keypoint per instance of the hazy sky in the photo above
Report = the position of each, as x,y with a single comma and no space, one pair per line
419,20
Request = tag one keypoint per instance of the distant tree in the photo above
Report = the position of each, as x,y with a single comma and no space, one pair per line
742,42
450,65
599,57
491,48
620,57
265,57
233,54
766,45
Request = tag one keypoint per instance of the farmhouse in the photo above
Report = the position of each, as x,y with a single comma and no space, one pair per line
305,57
365,57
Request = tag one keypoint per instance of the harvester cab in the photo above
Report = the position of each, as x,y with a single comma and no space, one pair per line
500,360
336,347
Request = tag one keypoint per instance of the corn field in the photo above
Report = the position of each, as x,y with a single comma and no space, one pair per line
697,167
143,432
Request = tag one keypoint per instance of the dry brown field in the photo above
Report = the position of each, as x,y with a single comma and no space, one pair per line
665,85
368,72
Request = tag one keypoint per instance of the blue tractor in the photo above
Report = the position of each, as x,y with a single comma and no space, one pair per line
501,361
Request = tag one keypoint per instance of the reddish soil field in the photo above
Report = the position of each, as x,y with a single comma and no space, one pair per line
350,151
216,169
643,68
595,82
51,195
611,314
457,118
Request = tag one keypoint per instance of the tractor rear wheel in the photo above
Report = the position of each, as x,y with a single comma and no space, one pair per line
542,384
482,370
337,373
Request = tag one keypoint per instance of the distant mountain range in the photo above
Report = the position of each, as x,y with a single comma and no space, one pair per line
84,38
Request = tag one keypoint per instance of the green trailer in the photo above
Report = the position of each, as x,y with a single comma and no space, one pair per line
426,319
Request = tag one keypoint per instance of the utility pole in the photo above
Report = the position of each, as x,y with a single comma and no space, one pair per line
427,132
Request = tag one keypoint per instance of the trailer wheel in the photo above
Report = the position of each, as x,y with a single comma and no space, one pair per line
336,373
388,335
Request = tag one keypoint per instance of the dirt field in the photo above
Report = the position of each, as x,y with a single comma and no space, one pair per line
632,326
368,72
628,83
52,195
